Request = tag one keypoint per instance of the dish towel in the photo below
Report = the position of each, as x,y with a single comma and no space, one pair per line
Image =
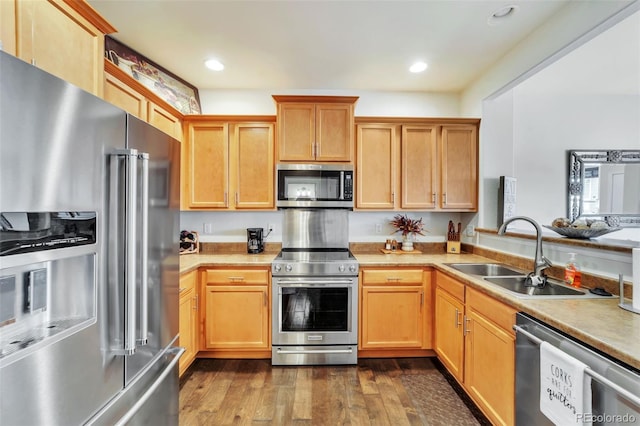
565,389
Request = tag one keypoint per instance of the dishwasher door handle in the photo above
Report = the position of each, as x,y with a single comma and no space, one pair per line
597,376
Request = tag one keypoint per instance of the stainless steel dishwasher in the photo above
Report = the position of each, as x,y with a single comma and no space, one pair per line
615,387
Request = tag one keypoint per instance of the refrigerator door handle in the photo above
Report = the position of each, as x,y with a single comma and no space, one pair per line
177,353
128,157
144,249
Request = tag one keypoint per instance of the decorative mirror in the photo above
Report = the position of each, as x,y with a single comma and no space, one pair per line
605,185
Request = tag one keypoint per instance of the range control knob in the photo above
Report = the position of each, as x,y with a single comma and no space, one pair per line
341,268
288,268
353,268
277,267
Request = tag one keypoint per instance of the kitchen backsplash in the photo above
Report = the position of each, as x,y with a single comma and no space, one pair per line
363,226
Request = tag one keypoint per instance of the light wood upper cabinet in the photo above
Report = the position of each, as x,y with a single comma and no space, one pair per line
124,96
419,167
253,147
459,175
475,341
125,92
165,120
395,309
315,128
63,37
228,165
416,164
206,151
376,166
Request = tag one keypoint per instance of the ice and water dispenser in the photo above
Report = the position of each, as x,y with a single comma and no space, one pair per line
47,276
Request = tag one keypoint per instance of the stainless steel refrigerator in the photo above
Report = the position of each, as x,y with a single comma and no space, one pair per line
89,265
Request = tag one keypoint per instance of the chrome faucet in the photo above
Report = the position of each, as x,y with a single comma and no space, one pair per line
537,278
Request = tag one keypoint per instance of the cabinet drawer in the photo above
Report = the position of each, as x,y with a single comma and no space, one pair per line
188,281
392,277
450,285
237,276
502,315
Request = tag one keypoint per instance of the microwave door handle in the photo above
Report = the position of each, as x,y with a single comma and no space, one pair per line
144,250
124,317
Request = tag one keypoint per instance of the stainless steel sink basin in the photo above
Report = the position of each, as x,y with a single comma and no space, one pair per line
516,285
512,280
485,269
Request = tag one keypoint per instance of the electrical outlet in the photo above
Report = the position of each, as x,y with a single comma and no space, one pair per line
378,228
470,231
207,228
271,227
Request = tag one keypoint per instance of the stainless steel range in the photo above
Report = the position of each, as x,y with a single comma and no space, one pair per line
315,291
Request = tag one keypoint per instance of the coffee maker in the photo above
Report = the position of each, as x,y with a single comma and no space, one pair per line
255,243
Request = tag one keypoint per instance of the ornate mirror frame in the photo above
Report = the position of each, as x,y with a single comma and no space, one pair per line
577,160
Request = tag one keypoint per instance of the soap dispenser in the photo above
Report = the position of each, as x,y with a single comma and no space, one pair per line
572,274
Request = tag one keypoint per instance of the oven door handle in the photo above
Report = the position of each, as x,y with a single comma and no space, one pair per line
314,351
311,283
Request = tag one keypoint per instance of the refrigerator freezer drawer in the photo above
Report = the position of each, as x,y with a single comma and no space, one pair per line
151,399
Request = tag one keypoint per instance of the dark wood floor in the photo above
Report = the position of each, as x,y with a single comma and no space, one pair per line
252,392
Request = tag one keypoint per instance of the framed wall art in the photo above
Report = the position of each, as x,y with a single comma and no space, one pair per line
175,91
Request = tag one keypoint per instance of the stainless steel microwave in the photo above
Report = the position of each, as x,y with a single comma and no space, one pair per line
315,185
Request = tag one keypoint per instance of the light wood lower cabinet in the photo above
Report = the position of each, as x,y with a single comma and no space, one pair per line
236,312
475,342
188,319
395,309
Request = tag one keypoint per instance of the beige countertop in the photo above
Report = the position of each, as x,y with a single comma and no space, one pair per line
597,322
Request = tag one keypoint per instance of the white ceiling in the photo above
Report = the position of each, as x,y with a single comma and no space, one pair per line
326,45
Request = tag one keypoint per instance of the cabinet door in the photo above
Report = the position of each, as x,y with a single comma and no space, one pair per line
208,165
236,317
253,146
392,317
449,338
334,132
490,368
8,26
296,131
418,167
187,328
57,39
164,120
376,166
188,319
459,167
125,97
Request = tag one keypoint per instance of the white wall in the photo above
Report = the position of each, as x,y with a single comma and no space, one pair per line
231,226
383,104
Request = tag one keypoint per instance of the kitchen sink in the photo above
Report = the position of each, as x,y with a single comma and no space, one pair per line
513,280
552,288
484,269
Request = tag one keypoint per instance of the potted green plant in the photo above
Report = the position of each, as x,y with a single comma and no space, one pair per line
408,228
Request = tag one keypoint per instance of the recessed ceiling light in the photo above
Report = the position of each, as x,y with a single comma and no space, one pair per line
214,64
501,15
418,67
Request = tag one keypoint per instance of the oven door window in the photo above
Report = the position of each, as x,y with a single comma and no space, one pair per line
315,309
